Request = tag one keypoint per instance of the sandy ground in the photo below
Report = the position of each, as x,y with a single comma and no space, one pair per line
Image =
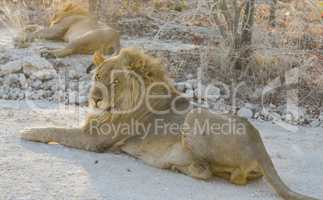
32,171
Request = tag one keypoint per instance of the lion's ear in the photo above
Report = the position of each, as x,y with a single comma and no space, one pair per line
98,58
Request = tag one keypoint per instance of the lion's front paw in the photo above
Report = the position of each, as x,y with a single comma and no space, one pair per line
28,134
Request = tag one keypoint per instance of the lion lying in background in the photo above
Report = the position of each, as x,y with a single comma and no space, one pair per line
74,25
120,82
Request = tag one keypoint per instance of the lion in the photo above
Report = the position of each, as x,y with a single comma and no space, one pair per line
72,24
133,88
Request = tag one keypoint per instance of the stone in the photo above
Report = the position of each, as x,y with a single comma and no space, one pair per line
83,100
73,74
181,86
34,64
289,117
4,59
212,93
84,88
22,80
10,79
10,68
321,116
73,97
219,106
276,116
14,93
193,83
189,93
245,112
2,92
316,123
50,85
295,114
74,85
36,84
209,93
45,74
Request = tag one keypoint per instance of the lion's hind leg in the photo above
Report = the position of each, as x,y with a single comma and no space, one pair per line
70,137
180,159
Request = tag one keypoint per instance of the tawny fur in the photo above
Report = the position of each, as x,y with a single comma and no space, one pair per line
236,157
74,25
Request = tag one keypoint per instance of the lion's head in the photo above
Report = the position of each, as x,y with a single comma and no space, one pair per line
130,81
68,9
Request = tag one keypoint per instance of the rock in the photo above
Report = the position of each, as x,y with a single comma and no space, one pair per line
4,91
37,94
289,117
189,93
84,88
245,112
50,85
193,83
34,64
209,93
21,95
10,79
265,114
199,90
181,86
272,106
74,85
1,92
276,116
295,115
10,68
212,93
77,65
83,100
23,81
321,117
73,74
4,59
14,93
45,74
219,106
73,97
36,84
316,123
47,94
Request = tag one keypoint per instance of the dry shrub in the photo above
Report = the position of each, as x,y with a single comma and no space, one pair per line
166,5
17,14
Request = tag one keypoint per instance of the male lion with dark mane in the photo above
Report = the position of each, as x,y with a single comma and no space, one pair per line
73,24
163,128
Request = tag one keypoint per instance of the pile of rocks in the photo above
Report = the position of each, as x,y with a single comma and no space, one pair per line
26,75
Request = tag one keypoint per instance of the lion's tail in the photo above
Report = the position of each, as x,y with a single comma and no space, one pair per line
269,170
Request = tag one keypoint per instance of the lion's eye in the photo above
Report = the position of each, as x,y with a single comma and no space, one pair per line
116,81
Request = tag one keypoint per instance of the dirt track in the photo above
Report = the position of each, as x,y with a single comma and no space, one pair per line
31,171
